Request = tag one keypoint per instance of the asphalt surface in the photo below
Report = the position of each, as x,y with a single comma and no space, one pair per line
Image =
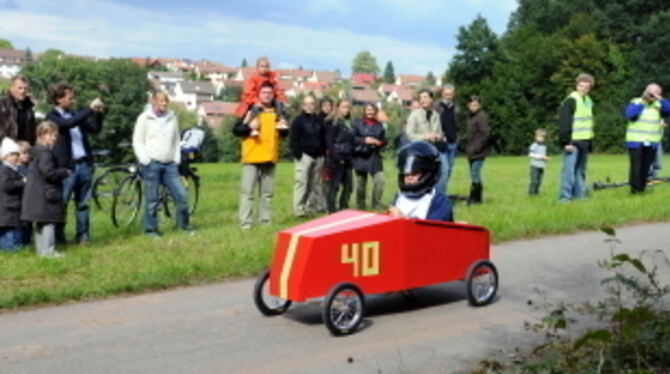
216,328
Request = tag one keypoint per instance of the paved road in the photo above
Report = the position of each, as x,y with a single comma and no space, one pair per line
216,329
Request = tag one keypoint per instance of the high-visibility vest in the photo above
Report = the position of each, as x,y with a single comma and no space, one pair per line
265,146
582,120
647,127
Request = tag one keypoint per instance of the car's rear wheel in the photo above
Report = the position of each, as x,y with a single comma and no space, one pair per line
267,304
482,283
344,309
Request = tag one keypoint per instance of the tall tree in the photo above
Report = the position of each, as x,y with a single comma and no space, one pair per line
477,50
4,43
389,73
365,62
244,63
430,79
120,83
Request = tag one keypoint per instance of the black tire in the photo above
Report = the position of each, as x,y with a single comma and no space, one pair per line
344,301
127,201
192,186
482,283
104,185
261,303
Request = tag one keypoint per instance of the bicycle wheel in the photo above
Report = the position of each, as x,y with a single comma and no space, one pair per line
192,185
127,201
165,206
104,185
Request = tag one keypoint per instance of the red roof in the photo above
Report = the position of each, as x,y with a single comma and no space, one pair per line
285,85
209,67
315,86
219,108
367,95
329,77
387,88
287,74
145,61
409,79
363,78
404,93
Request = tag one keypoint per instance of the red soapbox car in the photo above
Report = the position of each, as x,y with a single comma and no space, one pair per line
349,254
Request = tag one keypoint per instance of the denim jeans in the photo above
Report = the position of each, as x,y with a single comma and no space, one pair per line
657,165
167,174
476,170
78,183
447,159
573,176
10,239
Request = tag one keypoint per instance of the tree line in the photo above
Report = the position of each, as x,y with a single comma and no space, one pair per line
524,74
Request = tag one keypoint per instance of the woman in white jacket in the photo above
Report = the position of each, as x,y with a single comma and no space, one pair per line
156,144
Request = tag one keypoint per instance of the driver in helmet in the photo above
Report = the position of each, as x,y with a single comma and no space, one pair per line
418,172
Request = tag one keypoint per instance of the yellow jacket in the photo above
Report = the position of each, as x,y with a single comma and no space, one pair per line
265,146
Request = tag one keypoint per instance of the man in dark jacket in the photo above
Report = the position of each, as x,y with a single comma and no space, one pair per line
73,151
448,119
17,115
308,144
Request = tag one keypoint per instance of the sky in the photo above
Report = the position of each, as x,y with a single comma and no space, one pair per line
417,35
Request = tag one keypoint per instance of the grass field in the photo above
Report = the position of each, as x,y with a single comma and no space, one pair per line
123,261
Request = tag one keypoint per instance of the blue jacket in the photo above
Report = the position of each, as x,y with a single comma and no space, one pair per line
633,111
440,208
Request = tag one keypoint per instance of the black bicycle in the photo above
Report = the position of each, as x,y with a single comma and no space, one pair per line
127,197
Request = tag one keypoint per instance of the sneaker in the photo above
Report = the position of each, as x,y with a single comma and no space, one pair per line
152,234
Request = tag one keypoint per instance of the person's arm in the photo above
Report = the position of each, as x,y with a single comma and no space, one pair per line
52,174
382,137
441,209
241,128
481,133
566,115
294,138
176,142
633,111
665,107
10,185
139,137
532,152
93,123
358,136
331,135
77,119
412,130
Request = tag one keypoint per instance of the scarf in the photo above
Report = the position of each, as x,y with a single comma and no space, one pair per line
369,121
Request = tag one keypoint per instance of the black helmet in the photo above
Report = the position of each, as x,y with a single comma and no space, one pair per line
418,157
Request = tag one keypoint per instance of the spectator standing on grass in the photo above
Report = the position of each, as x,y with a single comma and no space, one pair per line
308,147
23,168
156,143
643,135
73,151
42,201
11,190
449,120
17,114
423,124
369,139
339,156
478,146
575,131
325,112
260,154
401,139
538,161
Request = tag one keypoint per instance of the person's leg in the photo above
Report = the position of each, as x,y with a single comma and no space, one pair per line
347,187
378,190
267,185
336,174
479,165
6,240
151,179
300,190
580,174
68,189
247,184
45,242
634,178
648,154
441,184
361,189
533,186
171,179
540,176
568,176
317,198
82,196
